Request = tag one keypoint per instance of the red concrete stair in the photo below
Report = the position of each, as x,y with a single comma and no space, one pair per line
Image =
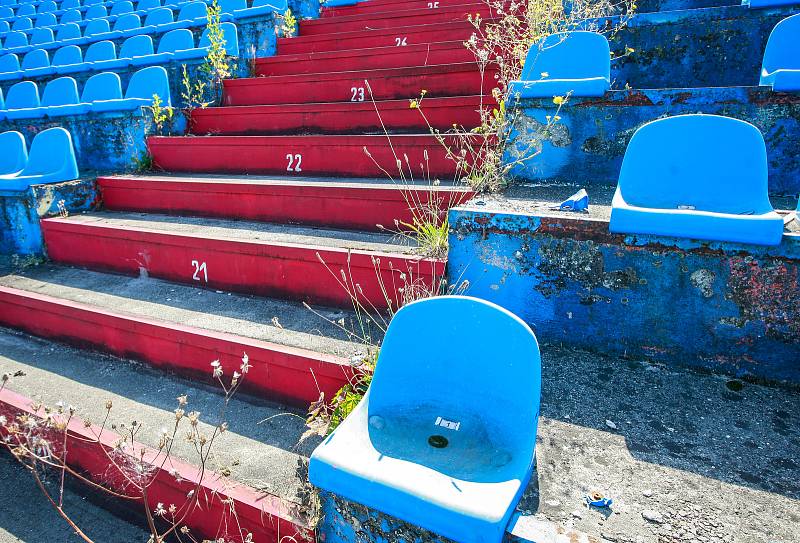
254,258
425,54
379,6
393,19
356,205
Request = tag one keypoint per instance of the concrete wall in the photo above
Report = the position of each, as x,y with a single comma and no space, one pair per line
589,142
726,307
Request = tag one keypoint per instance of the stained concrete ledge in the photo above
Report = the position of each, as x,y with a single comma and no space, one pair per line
724,307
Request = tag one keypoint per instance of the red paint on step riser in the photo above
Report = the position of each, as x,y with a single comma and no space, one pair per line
382,57
282,373
285,271
267,517
397,37
303,155
313,27
356,117
326,205
392,84
373,7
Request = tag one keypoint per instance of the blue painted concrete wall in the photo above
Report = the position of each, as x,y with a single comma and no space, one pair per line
589,142
727,307
20,233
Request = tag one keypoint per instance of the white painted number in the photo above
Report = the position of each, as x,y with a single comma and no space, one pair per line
294,162
433,5
200,267
358,94
400,41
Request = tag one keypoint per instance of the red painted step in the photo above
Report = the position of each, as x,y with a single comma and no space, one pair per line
387,37
293,375
304,155
376,6
340,118
238,259
393,19
358,206
365,59
461,79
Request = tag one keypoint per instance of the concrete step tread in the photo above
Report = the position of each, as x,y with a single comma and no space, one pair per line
405,11
243,231
263,456
395,31
358,53
266,319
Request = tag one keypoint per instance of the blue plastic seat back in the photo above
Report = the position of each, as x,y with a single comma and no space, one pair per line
231,36
47,7
6,13
708,162
158,16
68,31
101,50
26,10
229,6
38,58
71,16
96,26
176,40
51,154
136,46
70,5
781,52
24,94
16,39
69,54
22,23
191,11
568,55
92,3
96,12
148,4
4,27
9,63
128,21
13,153
60,92
121,8
41,36
102,86
46,20
149,81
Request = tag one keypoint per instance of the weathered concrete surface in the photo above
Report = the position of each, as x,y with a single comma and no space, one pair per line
27,517
587,145
713,463
725,307
20,233
713,47
278,321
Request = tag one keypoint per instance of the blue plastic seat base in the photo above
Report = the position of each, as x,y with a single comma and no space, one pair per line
260,10
67,109
189,54
768,3
334,3
24,182
148,60
73,68
590,87
38,72
786,81
124,104
25,113
106,65
11,76
761,229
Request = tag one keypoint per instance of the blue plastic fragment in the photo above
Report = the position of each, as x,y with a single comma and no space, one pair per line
781,66
597,500
577,202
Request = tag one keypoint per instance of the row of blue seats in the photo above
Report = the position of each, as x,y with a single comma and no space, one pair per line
578,64
175,45
51,159
102,93
98,11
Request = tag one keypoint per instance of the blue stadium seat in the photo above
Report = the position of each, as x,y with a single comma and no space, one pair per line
6,13
69,5
45,20
230,7
191,14
21,24
51,160
97,11
22,101
156,19
231,44
121,8
680,178
47,7
137,46
26,10
69,33
67,59
768,3
141,88
102,55
4,27
576,63
419,447
128,25
13,154
102,87
71,16
174,40
42,36
16,42
9,67
262,7
96,27
143,7
36,64
61,98
781,66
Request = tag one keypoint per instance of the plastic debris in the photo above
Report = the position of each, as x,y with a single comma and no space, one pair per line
577,202
596,499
